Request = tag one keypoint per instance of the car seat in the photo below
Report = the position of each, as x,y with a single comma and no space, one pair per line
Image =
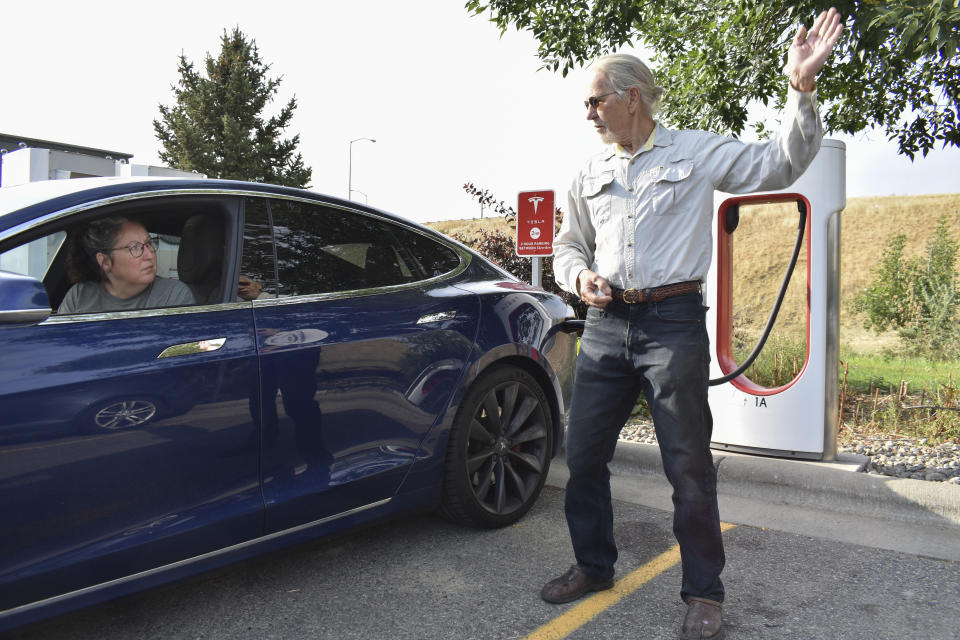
381,267
200,259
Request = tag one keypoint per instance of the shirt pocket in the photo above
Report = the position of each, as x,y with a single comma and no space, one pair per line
596,193
669,181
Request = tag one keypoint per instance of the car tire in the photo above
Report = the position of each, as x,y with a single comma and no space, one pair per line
499,451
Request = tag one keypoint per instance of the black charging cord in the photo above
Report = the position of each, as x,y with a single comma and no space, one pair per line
731,224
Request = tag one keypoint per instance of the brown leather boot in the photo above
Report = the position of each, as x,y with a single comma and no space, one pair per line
572,585
704,620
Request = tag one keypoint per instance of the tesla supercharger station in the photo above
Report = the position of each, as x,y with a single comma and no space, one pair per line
798,419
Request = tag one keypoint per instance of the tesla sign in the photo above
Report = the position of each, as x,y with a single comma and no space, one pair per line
535,216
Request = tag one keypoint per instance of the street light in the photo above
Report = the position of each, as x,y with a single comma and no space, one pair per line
350,167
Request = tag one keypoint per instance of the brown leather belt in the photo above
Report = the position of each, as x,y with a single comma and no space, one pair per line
656,294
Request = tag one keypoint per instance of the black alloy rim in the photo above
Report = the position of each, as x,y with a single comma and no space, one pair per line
507,447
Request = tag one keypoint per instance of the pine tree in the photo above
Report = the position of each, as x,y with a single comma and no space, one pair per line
216,126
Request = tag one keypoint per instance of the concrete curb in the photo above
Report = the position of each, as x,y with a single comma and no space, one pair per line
828,486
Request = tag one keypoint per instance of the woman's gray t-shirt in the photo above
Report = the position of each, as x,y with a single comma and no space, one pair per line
92,297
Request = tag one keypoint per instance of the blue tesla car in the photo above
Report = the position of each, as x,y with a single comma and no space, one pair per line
312,365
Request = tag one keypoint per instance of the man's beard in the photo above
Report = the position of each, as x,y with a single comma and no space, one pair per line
606,136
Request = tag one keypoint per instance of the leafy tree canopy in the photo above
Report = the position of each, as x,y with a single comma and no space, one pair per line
216,126
896,66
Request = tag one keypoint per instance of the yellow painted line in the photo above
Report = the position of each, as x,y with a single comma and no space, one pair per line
574,618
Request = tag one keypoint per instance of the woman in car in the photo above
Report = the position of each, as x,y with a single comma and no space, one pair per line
114,265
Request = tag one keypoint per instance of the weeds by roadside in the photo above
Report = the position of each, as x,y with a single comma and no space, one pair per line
896,410
881,394
883,397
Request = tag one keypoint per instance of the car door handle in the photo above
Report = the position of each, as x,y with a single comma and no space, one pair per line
190,348
437,317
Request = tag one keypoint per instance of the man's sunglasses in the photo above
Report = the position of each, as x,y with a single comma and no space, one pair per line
593,101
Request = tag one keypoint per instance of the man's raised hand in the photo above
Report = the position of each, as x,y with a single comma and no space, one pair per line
810,50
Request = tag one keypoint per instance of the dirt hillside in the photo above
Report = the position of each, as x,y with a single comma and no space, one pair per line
867,224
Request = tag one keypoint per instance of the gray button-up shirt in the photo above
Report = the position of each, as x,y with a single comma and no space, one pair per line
645,220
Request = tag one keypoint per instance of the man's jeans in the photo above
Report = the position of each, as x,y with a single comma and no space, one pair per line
662,350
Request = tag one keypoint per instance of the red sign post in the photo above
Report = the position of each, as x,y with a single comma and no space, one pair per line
535,226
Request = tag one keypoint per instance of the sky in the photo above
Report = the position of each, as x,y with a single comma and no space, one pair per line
447,99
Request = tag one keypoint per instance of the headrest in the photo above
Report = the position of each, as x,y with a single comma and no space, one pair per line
201,249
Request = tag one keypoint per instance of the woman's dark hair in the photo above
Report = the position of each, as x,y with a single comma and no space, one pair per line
83,244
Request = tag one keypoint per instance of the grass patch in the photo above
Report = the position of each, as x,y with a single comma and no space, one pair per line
781,359
869,371
888,396
882,395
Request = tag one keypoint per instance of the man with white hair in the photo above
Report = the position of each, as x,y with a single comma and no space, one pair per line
635,245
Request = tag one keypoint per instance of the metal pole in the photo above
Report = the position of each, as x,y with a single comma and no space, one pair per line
350,167
536,275
832,408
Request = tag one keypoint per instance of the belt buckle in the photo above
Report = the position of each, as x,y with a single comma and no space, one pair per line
631,296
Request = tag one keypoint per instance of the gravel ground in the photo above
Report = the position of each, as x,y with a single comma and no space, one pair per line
901,458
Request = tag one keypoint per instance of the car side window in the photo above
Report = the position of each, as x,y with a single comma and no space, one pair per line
322,249
433,258
258,274
82,278
33,258
155,253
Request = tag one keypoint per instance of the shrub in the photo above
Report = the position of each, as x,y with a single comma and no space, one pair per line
919,298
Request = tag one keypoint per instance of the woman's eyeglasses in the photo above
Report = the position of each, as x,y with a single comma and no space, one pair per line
136,248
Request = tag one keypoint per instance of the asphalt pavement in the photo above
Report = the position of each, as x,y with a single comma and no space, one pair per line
832,500
814,551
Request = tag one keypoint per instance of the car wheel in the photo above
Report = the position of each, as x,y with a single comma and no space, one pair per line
124,414
499,451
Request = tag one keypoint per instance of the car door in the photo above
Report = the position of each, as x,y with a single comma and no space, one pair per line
126,438
361,345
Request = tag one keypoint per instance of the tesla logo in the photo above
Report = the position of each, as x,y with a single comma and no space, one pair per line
536,200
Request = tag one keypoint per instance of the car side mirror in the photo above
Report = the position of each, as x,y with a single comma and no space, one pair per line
23,300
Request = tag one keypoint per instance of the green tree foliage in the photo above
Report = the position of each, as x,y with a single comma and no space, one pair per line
918,297
885,301
896,66
486,199
216,126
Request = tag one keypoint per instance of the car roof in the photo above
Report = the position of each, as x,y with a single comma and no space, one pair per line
22,196
23,206
24,203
